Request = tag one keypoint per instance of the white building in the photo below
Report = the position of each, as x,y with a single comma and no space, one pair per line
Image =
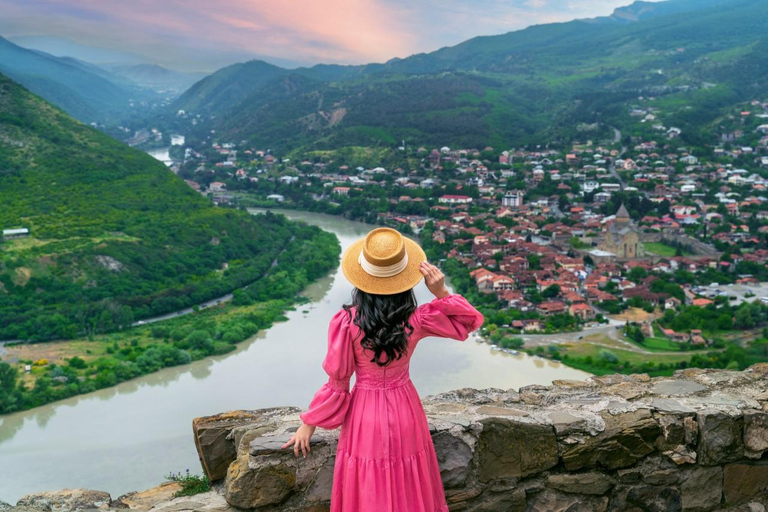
513,199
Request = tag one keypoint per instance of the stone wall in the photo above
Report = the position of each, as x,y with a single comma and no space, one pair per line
694,442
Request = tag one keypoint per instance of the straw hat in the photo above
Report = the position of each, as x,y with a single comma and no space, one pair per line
383,263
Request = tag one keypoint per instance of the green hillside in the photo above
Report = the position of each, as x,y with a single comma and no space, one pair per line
115,236
518,88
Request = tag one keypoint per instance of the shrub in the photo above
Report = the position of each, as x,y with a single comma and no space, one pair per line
77,362
190,484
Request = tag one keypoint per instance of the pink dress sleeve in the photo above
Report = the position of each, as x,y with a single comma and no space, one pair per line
330,403
447,317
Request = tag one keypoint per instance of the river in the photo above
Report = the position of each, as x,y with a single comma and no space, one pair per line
163,154
130,436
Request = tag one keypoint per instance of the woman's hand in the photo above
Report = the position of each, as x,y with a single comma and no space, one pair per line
300,440
434,279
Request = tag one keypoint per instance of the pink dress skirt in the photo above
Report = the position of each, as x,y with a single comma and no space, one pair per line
385,459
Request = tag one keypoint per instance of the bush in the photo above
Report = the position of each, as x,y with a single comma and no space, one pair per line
190,484
608,357
77,363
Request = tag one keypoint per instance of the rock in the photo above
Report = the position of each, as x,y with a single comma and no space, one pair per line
571,383
670,405
66,500
681,455
258,485
511,501
507,448
655,499
756,433
566,423
210,501
492,410
320,489
627,438
744,481
554,501
628,390
677,387
214,446
662,477
581,483
702,488
533,394
454,457
145,500
5,507
720,437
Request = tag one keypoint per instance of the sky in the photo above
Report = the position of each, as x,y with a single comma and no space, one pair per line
205,35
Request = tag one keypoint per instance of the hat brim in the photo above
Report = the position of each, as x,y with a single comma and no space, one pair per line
404,281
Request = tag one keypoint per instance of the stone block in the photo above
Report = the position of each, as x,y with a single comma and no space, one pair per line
655,499
214,446
590,482
551,500
720,437
65,500
262,484
744,481
756,433
627,438
454,457
702,488
507,448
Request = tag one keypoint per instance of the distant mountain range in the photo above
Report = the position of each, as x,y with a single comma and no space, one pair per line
156,77
522,87
83,90
88,91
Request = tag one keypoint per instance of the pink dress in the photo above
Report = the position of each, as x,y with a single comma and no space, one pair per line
385,459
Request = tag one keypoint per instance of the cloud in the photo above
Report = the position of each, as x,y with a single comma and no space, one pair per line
200,34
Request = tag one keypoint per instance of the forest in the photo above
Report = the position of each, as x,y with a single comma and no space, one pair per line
112,358
115,236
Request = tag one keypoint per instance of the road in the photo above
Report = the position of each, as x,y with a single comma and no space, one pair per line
181,312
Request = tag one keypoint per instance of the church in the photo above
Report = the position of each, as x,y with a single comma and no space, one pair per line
622,237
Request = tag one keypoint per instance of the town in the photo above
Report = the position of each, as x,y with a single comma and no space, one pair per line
640,233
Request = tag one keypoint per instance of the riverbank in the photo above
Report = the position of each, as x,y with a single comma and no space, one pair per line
41,373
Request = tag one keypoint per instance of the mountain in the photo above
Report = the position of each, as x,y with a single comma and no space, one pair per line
157,77
84,93
227,87
517,88
114,234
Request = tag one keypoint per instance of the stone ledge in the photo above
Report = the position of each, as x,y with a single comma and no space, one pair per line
614,442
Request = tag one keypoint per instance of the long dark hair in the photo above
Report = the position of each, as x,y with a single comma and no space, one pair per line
383,319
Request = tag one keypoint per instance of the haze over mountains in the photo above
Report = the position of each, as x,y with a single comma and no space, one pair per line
518,88
523,87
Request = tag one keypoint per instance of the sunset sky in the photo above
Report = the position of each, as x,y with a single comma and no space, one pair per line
205,35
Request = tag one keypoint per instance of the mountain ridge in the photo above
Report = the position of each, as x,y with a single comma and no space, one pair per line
114,234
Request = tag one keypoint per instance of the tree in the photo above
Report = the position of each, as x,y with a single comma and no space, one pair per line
637,274
744,319
551,291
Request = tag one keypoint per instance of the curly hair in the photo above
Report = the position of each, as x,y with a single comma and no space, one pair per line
383,320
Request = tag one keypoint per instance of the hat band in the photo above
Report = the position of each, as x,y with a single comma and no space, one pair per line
378,271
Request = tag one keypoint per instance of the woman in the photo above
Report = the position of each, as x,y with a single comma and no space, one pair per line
385,459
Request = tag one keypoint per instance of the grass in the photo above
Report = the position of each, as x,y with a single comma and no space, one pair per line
190,484
634,358
59,352
662,249
660,344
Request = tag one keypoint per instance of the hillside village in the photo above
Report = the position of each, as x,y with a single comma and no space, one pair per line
560,238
